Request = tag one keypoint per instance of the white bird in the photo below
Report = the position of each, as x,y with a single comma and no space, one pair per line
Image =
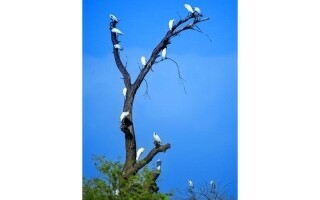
118,46
159,164
123,115
190,184
124,91
143,60
113,18
139,152
171,24
213,185
197,9
164,53
117,31
188,7
156,138
117,192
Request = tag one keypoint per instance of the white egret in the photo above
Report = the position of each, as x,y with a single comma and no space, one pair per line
171,24
143,60
190,184
159,164
164,53
117,31
118,46
156,138
113,18
188,7
124,91
117,192
212,185
197,10
139,152
123,115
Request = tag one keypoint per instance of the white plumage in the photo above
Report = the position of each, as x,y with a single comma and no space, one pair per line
143,60
113,18
159,164
117,46
188,7
212,185
117,192
190,184
123,115
164,53
171,24
156,138
139,152
124,91
197,9
117,31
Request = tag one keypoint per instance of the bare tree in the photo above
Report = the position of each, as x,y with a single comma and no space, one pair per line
205,192
131,166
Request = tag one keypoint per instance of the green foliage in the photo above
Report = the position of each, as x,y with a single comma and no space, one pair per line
110,180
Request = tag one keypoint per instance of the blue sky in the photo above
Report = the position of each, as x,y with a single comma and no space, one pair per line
201,125
40,113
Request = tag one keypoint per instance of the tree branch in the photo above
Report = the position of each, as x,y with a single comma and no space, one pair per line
163,44
179,74
136,167
131,167
146,93
116,53
153,186
189,26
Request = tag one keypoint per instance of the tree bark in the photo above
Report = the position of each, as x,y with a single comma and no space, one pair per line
131,167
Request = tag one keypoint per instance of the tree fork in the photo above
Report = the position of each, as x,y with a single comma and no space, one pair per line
131,167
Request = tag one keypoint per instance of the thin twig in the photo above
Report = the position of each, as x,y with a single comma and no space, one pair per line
146,93
179,74
200,31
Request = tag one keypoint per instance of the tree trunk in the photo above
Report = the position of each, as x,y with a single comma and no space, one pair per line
131,167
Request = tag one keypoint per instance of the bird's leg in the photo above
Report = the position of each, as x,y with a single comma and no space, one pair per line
156,144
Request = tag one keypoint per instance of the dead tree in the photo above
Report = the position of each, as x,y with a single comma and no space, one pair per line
131,167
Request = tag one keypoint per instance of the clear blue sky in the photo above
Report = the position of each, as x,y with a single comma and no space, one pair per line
200,125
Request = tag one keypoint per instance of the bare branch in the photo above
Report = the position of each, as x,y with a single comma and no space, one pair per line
116,53
126,61
200,31
179,74
179,15
163,44
147,159
146,93
131,166
189,26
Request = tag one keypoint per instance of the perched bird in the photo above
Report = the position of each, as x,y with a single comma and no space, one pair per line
190,184
123,115
212,185
159,164
156,138
118,46
164,53
139,152
171,24
117,31
189,8
124,91
117,192
113,18
143,60
197,10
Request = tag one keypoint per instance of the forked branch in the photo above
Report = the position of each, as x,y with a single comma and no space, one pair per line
131,166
